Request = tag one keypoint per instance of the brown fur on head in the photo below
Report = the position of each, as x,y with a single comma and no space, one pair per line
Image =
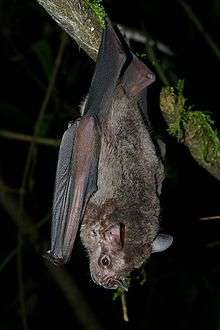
118,239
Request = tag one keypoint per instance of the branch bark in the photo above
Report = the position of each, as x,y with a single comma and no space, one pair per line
192,128
29,138
78,19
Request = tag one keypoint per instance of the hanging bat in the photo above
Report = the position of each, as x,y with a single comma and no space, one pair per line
110,171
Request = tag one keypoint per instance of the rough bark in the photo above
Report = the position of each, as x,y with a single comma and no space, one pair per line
78,19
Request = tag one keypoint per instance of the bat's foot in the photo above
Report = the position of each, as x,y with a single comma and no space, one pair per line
53,258
70,123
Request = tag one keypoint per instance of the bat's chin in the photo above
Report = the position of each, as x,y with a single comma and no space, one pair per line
111,283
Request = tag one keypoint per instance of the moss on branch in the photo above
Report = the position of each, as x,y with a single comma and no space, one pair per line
193,128
98,9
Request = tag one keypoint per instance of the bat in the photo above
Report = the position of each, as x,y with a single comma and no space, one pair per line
110,171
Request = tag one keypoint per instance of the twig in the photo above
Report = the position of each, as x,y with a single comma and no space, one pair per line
25,177
25,67
192,16
135,35
154,61
213,244
29,138
44,220
76,300
124,307
7,259
215,217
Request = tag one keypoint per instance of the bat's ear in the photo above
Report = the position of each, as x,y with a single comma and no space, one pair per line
162,242
115,235
136,77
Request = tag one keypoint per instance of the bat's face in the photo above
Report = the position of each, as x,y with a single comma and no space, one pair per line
106,251
107,258
112,246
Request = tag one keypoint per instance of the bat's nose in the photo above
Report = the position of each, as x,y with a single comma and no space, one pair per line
114,284
111,284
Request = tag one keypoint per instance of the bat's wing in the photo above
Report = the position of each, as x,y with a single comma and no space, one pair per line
116,64
79,151
75,182
137,76
110,61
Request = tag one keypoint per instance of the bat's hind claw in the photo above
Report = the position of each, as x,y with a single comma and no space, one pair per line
53,258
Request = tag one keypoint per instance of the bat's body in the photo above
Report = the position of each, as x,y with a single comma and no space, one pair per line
109,173
129,182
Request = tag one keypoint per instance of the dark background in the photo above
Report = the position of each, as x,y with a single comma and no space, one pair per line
182,286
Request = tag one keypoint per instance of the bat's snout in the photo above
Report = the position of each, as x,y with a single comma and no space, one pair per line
111,283
115,284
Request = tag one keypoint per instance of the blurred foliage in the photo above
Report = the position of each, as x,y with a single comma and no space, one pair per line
180,288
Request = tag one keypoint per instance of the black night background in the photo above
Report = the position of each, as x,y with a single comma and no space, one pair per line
178,289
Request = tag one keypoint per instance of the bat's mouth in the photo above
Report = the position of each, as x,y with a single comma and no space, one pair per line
112,283
115,284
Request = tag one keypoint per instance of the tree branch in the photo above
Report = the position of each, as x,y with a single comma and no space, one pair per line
192,128
29,138
79,20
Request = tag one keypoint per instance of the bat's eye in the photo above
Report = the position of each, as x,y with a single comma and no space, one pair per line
105,261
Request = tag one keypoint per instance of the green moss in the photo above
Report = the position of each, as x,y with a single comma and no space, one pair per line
198,127
98,9
193,128
172,103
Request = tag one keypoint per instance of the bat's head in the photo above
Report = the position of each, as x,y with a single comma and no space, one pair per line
104,240
107,259
118,241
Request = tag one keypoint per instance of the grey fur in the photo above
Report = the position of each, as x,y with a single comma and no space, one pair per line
130,175
115,170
